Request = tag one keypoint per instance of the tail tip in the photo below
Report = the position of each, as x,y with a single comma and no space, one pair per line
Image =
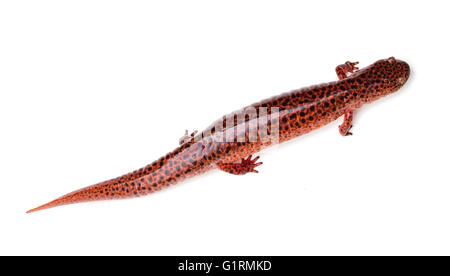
42,207
33,210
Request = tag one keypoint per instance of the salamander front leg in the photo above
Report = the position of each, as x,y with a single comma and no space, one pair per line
345,70
347,124
246,166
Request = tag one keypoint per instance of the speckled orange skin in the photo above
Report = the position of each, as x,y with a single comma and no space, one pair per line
300,111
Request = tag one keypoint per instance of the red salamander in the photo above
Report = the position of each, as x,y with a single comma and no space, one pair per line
229,143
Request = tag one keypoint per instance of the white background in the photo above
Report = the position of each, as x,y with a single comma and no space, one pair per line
94,89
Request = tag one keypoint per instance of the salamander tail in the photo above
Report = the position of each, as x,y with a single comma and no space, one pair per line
51,204
93,192
153,177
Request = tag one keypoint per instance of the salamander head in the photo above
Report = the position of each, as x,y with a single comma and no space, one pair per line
397,71
385,77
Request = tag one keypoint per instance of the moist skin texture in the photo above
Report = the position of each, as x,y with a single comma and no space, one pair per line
228,144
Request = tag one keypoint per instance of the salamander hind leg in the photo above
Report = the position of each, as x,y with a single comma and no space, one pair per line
347,124
344,70
186,137
246,166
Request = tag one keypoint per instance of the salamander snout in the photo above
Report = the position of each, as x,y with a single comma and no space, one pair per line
402,69
386,76
394,72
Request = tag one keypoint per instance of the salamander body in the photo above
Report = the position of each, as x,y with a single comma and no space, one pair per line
229,143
